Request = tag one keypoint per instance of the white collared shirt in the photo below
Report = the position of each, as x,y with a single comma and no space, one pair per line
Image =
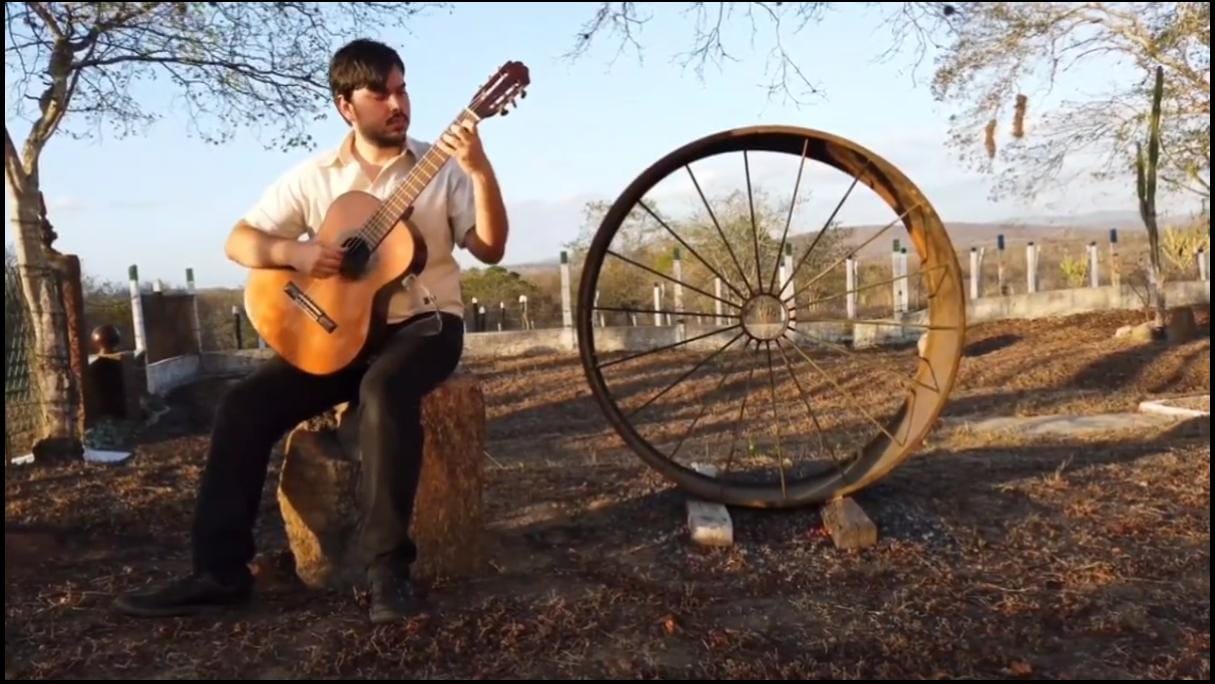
296,203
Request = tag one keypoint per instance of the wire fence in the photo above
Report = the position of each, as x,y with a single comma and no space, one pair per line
21,401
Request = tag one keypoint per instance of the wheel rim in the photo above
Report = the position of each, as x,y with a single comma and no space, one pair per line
758,315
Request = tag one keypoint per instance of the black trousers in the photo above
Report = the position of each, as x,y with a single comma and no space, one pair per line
386,388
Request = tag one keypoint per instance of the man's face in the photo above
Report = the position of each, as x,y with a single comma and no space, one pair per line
381,118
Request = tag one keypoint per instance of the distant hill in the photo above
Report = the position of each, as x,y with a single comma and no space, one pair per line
1046,229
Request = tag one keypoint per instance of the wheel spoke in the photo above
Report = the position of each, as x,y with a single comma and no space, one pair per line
822,441
759,277
704,404
845,258
867,321
738,421
846,394
683,377
673,280
720,232
789,219
908,383
622,309
668,347
780,458
693,251
826,225
870,286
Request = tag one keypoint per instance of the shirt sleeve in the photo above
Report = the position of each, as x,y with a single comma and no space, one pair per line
281,209
461,209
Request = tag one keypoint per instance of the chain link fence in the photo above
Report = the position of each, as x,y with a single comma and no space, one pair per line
20,392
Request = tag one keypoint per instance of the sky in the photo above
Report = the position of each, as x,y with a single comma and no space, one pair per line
165,201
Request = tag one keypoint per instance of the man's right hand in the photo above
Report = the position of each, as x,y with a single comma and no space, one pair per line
316,259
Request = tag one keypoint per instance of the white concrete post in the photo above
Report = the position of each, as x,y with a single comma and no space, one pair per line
602,322
657,304
523,312
679,277
717,302
1000,265
974,273
1031,268
141,333
791,288
501,315
850,272
1115,275
1094,272
896,286
567,312
1203,261
194,305
907,284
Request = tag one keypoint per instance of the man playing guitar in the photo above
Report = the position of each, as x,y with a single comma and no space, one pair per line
462,206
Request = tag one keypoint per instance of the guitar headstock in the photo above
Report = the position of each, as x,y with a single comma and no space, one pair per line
501,91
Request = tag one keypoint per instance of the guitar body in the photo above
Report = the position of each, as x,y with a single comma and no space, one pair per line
323,325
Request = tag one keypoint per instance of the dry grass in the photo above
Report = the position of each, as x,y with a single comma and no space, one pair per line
996,558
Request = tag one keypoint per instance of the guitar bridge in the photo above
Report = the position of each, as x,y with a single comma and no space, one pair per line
305,302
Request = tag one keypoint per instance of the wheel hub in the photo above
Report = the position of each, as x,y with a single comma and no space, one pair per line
765,317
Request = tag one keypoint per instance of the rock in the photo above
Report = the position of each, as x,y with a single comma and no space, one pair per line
848,525
319,483
1144,332
1181,325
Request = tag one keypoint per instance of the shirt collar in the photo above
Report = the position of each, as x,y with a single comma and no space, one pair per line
344,153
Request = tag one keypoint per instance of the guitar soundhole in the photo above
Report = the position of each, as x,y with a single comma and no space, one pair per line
356,258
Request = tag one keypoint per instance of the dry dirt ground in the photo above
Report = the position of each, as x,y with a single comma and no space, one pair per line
996,557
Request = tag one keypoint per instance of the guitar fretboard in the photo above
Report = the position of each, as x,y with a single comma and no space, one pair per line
377,228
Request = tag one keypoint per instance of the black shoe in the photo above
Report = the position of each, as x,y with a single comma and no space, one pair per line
392,598
195,593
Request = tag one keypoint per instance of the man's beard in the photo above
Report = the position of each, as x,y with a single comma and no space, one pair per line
382,136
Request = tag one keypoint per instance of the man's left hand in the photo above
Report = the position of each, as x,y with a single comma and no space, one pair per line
462,143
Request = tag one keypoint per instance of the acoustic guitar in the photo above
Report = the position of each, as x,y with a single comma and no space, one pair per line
322,325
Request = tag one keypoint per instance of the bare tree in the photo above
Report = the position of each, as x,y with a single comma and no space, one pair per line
987,60
259,65
989,56
711,21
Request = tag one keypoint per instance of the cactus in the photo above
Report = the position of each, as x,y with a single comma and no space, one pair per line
1145,169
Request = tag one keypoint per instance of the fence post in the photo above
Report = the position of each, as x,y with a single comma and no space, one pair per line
1000,265
1115,276
791,288
236,326
657,304
523,312
194,305
678,266
501,315
1203,260
567,315
896,290
850,298
1031,268
717,302
141,339
974,273
1094,273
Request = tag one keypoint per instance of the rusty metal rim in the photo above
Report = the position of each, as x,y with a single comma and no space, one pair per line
940,359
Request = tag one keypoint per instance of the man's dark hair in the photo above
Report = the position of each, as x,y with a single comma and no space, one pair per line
362,63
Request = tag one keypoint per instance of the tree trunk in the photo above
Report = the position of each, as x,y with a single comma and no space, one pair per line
50,363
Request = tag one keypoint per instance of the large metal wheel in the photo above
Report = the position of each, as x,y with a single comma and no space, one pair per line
786,400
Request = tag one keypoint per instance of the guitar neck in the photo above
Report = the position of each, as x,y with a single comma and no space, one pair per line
421,175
